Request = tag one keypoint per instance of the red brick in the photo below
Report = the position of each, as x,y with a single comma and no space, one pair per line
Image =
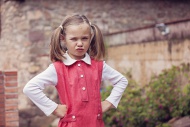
11,96
2,105
10,84
11,113
2,109
11,101
2,101
10,79
2,124
12,117
1,89
1,120
2,114
10,73
11,107
11,90
1,86
12,124
9,116
2,98
1,80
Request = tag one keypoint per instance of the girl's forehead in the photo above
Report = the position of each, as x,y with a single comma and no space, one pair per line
83,27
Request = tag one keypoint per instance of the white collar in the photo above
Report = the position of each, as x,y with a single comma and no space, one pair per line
69,61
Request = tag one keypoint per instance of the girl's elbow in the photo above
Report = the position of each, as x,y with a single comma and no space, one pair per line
125,82
26,90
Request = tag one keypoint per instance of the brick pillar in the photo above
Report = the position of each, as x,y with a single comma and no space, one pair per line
8,99
2,100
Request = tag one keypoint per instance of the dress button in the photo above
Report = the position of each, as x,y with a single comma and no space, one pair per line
78,65
83,88
73,117
98,115
81,76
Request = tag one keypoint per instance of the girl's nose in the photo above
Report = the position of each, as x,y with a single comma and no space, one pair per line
79,43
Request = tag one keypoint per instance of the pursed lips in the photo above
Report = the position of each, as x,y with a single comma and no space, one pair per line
80,49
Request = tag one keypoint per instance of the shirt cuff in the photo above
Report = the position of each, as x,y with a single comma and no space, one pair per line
114,102
50,111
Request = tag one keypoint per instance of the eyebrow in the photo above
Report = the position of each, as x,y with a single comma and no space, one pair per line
77,37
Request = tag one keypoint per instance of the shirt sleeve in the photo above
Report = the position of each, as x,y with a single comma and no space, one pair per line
118,81
34,89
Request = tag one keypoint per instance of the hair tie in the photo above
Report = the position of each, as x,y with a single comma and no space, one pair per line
61,27
90,23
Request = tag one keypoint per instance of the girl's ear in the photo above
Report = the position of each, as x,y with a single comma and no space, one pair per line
62,37
63,42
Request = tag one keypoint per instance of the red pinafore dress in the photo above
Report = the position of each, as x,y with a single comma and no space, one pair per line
79,89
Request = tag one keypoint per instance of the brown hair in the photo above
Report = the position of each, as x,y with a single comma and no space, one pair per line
96,49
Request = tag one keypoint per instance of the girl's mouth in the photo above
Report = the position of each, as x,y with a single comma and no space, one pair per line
80,49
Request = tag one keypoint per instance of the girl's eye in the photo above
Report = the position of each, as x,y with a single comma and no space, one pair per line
73,39
85,38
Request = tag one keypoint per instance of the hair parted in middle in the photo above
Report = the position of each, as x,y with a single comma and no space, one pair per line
96,49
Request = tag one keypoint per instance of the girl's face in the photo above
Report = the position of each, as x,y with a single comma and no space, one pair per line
77,40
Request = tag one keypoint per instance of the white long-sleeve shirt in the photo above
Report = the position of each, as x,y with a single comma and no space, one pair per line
34,88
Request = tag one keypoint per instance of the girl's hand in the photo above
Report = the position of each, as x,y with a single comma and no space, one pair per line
60,111
106,105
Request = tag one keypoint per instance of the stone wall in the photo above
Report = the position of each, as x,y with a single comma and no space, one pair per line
144,60
26,29
176,31
146,52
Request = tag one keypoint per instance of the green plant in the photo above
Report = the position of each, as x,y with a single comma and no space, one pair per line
166,96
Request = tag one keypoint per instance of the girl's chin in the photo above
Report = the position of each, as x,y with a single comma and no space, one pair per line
78,57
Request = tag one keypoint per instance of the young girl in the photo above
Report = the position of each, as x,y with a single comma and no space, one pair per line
77,51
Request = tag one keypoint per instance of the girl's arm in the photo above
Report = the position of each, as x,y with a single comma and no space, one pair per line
34,89
119,83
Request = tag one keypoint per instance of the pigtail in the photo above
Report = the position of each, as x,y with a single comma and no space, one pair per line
56,50
97,47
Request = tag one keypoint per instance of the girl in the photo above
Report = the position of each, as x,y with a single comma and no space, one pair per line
77,50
